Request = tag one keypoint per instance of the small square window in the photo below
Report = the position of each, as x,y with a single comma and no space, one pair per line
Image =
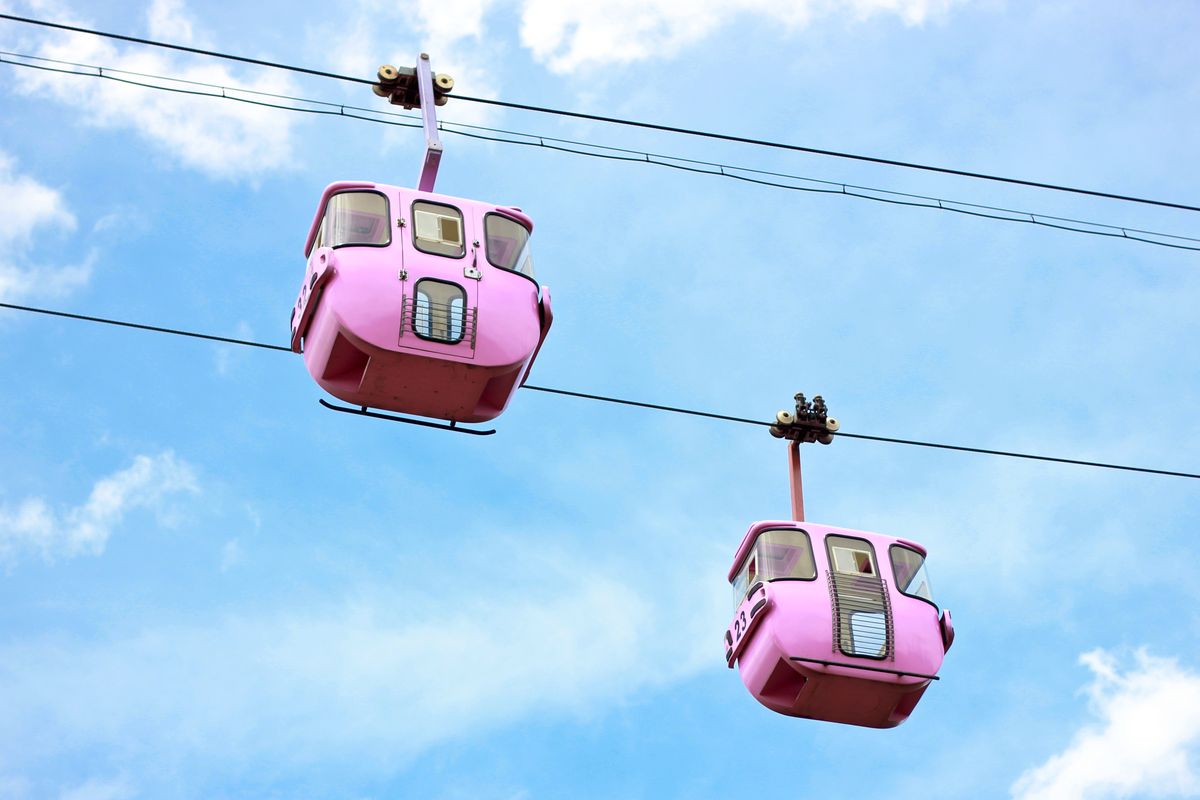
438,229
852,560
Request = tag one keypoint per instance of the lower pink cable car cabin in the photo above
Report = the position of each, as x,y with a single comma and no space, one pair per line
830,623
418,302
834,624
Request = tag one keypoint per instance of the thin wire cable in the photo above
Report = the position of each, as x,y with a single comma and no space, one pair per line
627,122
184,49
626,402
141,327
696,166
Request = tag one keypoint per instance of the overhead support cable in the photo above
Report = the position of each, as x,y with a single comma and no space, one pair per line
258,62
626,401
592,150
624,122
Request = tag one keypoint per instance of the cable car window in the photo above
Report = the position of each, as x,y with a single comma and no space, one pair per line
508,244
786,554
439,311
747,576
860,600
851,556
868,634
356,218
438,229
911,576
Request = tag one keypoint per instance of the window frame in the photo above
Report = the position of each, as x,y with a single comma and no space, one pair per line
889,642
896,581
752,552
462,219
870,549
812,555
387,217
462,330
488,256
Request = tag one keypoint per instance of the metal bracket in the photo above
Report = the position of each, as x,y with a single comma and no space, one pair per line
810,422
418,88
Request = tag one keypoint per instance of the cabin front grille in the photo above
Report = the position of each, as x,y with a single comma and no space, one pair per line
438,322
862,616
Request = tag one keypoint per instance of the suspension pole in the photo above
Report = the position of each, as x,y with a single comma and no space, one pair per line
433,142
797,481
810,422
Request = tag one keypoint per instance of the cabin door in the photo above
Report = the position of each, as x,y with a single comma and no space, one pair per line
440,278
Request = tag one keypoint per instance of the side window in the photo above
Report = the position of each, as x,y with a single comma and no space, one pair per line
438,229
786,554
439,311
911,576
507,243
355,218
747,576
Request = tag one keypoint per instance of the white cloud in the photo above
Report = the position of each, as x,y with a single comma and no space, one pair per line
373,680
168,21
30,211
225,357
452,32
571,34
220,138
231,555
34,527
1144,742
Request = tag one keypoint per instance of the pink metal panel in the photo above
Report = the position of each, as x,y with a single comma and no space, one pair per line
789,659
353,342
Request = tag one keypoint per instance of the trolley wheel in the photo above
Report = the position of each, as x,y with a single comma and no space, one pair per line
380,90
440,100
443,81
831,424
388,74
785,417
825,438
778,434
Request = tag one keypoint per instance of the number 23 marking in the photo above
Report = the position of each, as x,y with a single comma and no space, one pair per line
739,625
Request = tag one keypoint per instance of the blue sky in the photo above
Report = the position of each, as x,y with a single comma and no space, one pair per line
212,587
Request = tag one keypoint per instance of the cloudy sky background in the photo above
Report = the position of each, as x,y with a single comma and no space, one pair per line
211,587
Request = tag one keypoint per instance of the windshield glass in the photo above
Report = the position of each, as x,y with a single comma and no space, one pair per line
911,577
356,218
786,554
776,554
508,244
438,229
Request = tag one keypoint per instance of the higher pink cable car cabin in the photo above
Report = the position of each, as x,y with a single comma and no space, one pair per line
830,623
417,302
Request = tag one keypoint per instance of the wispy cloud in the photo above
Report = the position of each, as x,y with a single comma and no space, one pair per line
568,35
1143,743
222,139
374,679
453,32
30,210
33,526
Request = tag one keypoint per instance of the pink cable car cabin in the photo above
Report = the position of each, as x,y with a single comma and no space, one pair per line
830,623
417,302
